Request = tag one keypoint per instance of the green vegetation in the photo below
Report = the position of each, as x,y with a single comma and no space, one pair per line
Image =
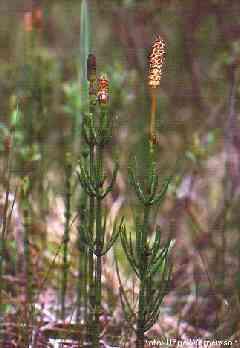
91,198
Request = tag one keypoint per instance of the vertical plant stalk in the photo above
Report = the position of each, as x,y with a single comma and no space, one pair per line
148,260
85,285
27,256
155,73
67,214
99,244
97,132
90,252
84,263
91,77
25,197
82,281
143,284
152,128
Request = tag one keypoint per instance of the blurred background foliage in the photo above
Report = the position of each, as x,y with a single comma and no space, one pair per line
198,117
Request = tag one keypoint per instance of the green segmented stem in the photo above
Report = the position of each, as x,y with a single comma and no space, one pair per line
90,253
148,260
99,235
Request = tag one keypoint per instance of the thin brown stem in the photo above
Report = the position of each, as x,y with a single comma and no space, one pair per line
152,124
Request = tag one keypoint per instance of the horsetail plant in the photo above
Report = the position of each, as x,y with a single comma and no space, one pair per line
97,133
85,273
90,141
148,259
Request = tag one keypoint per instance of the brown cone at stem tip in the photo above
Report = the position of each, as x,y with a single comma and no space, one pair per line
92,74
103,89
33,20
156,61
91,67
